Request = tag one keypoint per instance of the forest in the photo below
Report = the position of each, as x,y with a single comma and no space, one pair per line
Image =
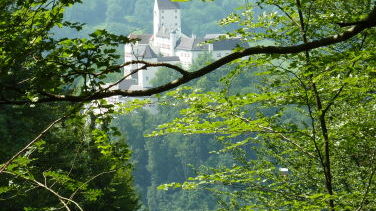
287,123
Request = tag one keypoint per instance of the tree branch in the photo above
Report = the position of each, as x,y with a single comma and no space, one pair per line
40,135
62,199
367,188
367,23
344,24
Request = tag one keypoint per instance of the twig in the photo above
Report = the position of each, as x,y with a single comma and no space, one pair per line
368,187
6,164
62,199
91,179
287,14
367,23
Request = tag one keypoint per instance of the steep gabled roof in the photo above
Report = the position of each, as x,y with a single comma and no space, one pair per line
169,59
143,38
143,51
167,5
196,44
125,84
191,44
223,45
213,36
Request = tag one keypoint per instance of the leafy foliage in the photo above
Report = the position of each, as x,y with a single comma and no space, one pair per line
286,131
88,166
304,139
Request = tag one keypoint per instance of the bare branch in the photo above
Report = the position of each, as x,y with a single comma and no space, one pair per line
126,76
367,188
88,181
147,64
6,164
344,24
150,64
367,23
62,199
287,14
332,100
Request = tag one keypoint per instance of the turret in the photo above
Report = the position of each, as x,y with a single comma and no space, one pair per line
173,40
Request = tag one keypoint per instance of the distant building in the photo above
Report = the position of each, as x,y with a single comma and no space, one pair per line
168,44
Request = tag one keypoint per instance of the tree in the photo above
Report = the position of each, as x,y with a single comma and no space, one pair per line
321,64
310,122
91,59
51,157
72,166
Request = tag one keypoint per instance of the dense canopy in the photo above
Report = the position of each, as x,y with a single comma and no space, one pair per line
288,123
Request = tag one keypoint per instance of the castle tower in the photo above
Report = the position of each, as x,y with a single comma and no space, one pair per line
166,18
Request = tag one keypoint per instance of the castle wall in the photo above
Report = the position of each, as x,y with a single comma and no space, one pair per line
187,57
145,76
129,56
164,46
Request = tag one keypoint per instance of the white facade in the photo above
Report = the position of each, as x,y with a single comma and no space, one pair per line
164,46
145,76
167,44
187,57
166,18
142,77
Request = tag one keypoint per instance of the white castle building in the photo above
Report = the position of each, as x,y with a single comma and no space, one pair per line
168,44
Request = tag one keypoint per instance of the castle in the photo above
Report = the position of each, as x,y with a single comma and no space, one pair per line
168,44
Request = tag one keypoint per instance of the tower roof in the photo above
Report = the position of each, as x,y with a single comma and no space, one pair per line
167,5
